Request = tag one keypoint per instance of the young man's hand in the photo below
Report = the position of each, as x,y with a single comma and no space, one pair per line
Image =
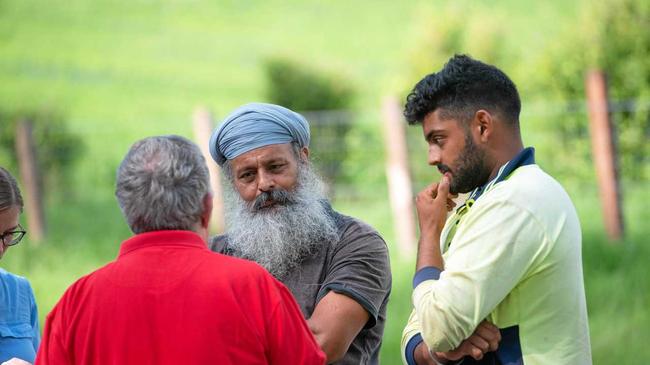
432,205
485,339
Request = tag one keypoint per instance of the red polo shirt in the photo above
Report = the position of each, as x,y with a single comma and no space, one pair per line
167,299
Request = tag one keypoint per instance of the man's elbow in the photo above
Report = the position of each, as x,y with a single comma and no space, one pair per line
443,327
437,341
333,350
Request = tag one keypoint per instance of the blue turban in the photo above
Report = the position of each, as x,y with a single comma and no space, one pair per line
257,125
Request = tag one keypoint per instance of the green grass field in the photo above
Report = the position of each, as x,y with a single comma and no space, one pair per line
123,70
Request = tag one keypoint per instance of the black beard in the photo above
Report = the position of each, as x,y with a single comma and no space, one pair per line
471,170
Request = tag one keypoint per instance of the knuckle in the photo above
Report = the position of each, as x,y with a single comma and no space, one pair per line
476,353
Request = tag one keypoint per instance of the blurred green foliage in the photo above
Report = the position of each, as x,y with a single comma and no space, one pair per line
326,101
611,36
57,147
299,87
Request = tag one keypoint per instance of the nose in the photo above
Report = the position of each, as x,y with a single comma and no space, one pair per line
434,156
265,182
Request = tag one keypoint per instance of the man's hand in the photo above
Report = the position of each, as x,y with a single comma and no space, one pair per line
432,205
485,339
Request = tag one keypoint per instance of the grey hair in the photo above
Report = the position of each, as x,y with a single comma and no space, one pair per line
161,184
9,191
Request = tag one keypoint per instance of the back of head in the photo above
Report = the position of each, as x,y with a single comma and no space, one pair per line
9,191
463,86
161,184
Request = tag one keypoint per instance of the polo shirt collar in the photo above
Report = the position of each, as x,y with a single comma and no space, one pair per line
523,158
162,238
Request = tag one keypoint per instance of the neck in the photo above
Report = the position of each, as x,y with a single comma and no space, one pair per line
505,154
201,231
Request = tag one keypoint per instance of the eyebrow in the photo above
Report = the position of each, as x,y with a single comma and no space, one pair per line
432,132
264,162
275,160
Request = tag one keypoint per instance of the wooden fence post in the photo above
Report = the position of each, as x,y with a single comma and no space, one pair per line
203,125
603,141
398,176
26,153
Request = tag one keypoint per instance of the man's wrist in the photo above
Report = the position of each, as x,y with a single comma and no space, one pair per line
429,235
429,253
436,359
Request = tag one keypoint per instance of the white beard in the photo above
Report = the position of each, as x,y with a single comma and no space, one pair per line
281,237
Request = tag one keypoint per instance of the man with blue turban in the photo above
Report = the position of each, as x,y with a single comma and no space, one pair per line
277,215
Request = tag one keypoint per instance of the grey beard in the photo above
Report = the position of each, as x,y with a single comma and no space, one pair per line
280,238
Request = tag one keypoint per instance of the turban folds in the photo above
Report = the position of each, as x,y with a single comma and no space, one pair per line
257,125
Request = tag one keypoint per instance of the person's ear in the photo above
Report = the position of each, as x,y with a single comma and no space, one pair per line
304,154
483,124
207,210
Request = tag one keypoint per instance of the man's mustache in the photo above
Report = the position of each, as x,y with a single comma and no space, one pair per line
276,196
443,168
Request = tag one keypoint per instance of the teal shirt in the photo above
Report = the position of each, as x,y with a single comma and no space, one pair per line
19,333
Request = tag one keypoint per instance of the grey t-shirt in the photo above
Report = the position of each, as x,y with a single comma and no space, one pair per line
357,266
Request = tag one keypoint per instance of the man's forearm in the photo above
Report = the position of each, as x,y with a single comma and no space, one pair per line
429,252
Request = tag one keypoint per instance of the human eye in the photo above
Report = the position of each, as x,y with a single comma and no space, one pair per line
437,140
277,166
246,176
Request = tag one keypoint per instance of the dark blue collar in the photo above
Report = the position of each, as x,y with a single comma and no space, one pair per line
523,158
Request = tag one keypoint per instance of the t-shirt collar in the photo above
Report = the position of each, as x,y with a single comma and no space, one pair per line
162,238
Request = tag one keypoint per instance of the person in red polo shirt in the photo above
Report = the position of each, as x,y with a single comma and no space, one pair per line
167,299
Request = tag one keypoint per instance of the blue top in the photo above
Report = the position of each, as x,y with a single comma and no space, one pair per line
19,333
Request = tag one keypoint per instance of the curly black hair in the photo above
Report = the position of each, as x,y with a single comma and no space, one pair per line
463,86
